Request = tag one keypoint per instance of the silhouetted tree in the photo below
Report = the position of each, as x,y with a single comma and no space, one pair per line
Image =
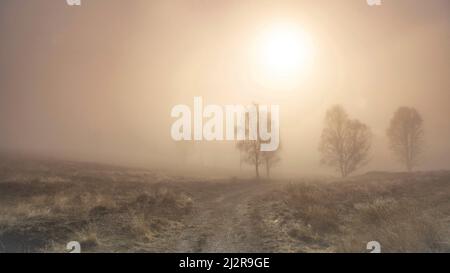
345,143
270,159
405,135
251,152
250,149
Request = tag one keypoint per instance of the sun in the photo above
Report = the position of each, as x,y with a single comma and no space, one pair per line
283,54
284,50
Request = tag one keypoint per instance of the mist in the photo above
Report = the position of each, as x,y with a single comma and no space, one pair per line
98,82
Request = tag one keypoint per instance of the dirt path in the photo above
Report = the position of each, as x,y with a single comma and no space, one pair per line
221,222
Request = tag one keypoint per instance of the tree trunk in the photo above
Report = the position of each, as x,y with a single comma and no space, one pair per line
240,161
409,167
344,171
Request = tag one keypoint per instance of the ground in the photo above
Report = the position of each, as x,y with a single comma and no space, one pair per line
44,204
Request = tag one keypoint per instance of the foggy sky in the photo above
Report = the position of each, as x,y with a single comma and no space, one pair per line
98,82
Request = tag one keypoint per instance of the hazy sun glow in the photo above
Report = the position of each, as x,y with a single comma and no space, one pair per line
283,56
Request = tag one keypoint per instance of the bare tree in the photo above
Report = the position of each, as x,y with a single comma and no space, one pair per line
405,135
270,159
251,151
345,143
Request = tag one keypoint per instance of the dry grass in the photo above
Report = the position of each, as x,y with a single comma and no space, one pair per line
45,205
343,216
101,209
